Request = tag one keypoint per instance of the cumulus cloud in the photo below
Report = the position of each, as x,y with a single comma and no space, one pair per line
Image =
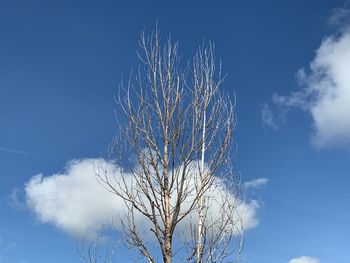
325,91
304,259
75,202
255,183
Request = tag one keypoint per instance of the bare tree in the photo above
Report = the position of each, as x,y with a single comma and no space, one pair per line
174,157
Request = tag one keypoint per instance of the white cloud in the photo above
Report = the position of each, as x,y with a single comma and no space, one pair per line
304,259
325,92
255,183
75,202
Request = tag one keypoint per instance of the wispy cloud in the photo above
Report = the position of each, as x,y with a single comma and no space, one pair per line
268,117
255,183
304,259
7,245
75,202
16,199
11,150
340,16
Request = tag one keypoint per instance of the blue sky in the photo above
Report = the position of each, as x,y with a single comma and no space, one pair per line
287,61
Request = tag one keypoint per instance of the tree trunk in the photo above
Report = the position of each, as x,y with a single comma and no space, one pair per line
201,198
167,253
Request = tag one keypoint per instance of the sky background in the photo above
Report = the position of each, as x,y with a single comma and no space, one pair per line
60,66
